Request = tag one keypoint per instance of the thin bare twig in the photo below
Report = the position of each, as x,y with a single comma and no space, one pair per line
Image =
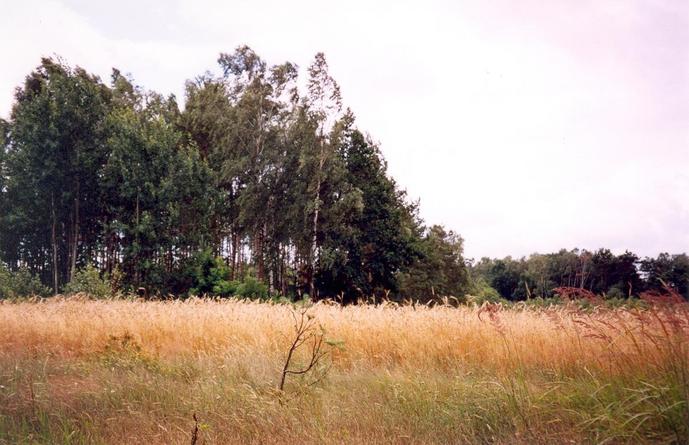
195,431
305,332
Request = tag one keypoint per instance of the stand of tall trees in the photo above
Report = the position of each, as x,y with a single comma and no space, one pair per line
275,183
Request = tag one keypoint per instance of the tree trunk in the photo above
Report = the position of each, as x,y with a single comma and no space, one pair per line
283,268
235,249
54,241
316,211
240,258
75,236
258,255
137,277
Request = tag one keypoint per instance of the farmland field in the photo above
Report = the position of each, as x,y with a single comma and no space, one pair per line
127,371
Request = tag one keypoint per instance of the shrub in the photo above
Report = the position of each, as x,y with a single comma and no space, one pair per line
615,293
482,292
210,275
20,283
225,288
252,288
4,283
89,281
116,281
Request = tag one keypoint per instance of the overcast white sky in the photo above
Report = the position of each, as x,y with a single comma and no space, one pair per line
523,125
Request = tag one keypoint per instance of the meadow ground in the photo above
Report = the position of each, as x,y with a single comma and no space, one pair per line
134,372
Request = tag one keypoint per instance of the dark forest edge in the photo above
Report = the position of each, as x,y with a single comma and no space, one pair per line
256,189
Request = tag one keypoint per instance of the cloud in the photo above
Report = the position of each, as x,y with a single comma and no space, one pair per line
40,29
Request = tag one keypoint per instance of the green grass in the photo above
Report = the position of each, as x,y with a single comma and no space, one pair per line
108,399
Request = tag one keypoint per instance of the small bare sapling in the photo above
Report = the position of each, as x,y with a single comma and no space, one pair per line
311,335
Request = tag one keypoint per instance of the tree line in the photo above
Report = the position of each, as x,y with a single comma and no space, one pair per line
261,185
256,184
600,272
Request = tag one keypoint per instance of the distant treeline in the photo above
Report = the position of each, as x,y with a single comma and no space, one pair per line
601,272
256,188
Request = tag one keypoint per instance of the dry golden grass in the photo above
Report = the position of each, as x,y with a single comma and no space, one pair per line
79,371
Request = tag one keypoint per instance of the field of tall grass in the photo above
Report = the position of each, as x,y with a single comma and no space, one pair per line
135,372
